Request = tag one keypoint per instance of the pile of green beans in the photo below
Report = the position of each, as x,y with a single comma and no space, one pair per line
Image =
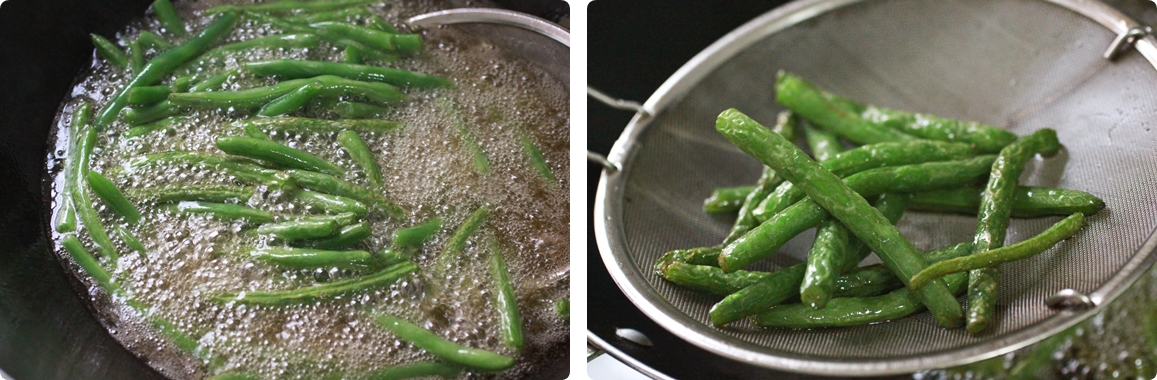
917,161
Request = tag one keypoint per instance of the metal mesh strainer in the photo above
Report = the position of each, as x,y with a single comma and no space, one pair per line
1022,64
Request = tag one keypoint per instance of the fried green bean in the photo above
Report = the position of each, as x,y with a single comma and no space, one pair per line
992,219
824,145
304,124
416,235
288,6
141,130
785,125
342,219
83,202
296,69
406,44
111,195
726,199
380,279
213,83
449,108
109,51
1028,201
165,63
850,208
151,113
153,41
852,311
87,262
352,55
346,15
349,236
136,56
505,300
168,17
363,156
223,211
148,94
693,256
331,203
1032,246
277,41
251,131
838,115
708,278
986,138
302,229
74,166
328,184
292,101
562,308
181,84
306,258
442,348
390,256
242,170
457,243
275,153
257,97
410,371
355,110
333,38
534,155
211,193
131,241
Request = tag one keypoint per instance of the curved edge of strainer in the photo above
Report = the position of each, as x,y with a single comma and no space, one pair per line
634,286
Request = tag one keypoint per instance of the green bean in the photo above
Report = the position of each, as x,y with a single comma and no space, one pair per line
277,41
217,194
275,153
303,229
349,236
168,17
410,371
142,130
148,94
390,256
847,206
148,114
76,163
1028,201
379,24
831,112
160,66
363,156
296,69
88,262
342,219
136,56
305,258
292,101
481,163
347,15
256,97
562,308
181,84
986,138
109,51
331,203
213,82
766,238
726,199
457,243
992,219
867,157
289,6
1032,246
332,185
773,289
352,55
355,110
444,349
131,241
251,131
823,144
83,203
112,196
223,211
693,256
851,311
244,171
335,39
505,300
402,43
836,251
304,125
785,125
708,278
368,282
416,235
150,40
534,155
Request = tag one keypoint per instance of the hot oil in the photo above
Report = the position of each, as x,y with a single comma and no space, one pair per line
428,170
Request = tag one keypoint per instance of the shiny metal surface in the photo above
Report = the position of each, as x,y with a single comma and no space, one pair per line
492,16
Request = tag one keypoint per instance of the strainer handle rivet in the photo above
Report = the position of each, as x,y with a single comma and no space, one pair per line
616,103
1125,41
633,336
1069,299
601,160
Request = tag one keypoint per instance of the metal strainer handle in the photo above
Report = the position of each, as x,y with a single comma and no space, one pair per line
492,16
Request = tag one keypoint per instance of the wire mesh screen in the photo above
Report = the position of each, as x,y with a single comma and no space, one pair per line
1021,64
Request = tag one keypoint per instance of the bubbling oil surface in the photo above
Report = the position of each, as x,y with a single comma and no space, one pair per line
427,169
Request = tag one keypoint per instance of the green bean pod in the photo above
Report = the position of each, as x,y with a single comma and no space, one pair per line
141,130
785,125
297,69
390,256
505,300
352,55
131,241
331,203
310,125
851,311
216,194
273,152
336,39
1027,202
292,101
824,145
442,348
838,115
346,15
153,41
251,131
109,51
448,107
165,63
406,44
986,138
416,235
562,308
288,6
136,56
332,185
355,110
113,196
377,280
83,202
223,211
76,163
257,97
88,263
726,199
151,113
693,256
302,229
168,17
708,278
457,243
305,258
415,370
992,219
379,24
850,208
534,155
360,151
213,82
349,236
149,94
243,171
277,41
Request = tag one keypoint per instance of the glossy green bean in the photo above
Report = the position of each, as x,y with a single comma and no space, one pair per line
168,17
181,84
505,300
211,193
310,125
390,256
457,243
303,229
450,108
292,101
352,55
534,156
296,69
442,348
306,258
288,6
75,164
153,41
831,112
277,41
992,219
693,256
355,110
380,279
336,39
406,44
1025,249
213,82
785,125
251,131
275,153
83,202
87,262
150,113
1028,201
851,311
111,195
136,56
342,219
360,151
332,185
331,203
109,51
242,170
986,138
726,199
349,236
257,97
165,63
416,235
562,308
708,278
346,15
223,211
415,370
131,241
148,94
141,130
850,208
823,144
